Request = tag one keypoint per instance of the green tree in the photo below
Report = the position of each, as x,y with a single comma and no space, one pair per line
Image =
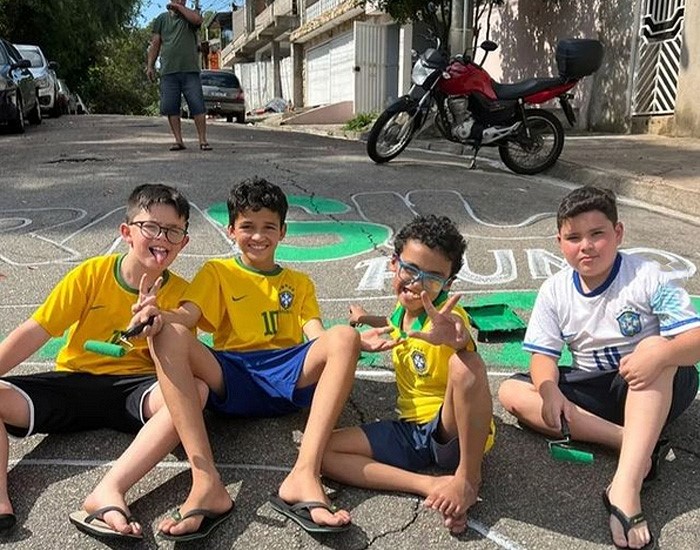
68,31
116,82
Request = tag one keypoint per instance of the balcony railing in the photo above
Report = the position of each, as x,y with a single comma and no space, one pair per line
319,8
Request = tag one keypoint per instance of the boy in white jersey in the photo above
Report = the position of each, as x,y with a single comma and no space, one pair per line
443,400
259,314
89,391
628,328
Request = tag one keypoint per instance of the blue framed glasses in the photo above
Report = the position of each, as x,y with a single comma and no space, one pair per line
409,274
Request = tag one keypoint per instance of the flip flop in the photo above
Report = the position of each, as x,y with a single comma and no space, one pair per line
94,525
658,456
627,522
205,147
7,522
209,523
177,147
300,513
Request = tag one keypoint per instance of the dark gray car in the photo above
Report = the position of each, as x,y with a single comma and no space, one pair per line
19,99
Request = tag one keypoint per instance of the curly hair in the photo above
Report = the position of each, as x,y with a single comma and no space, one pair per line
437,233
254,194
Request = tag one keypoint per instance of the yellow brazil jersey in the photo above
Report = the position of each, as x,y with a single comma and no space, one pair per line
92,302
422,368
249,310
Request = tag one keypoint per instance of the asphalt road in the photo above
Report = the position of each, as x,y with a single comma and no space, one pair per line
62,189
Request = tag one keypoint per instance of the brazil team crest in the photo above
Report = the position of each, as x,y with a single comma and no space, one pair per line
419,362
286,297
630,323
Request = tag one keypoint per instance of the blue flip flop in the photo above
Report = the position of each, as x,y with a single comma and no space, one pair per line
300,513
210,521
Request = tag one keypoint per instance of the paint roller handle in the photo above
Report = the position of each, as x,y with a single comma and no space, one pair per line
565,427
136,329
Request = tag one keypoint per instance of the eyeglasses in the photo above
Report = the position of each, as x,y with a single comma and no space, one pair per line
409,274
151,230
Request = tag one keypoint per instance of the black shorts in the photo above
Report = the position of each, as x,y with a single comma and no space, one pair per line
604,393
61,402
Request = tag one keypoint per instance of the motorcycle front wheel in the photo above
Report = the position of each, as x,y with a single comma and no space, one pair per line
391,133
535,153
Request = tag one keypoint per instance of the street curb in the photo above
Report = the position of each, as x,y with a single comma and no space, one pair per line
652,190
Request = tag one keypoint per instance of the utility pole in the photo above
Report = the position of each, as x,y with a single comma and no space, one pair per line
460,23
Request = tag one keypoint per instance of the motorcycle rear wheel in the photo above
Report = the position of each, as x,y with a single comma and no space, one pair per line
391,134
534,154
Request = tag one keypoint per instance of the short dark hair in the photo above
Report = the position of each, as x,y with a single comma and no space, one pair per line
254,194
437,233
587,199
146,195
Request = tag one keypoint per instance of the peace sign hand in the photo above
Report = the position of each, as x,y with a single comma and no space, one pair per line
447,328
146,306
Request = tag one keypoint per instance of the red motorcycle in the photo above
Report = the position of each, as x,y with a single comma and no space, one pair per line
469,107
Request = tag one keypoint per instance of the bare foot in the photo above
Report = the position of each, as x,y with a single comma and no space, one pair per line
212,498
100,498
451,496
300,486
638,534
456,524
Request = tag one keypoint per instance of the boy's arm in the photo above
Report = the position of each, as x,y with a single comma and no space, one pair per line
545,377
313,328
21,343
645,363
360,316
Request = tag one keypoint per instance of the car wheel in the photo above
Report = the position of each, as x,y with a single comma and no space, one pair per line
17,125
35,116
240,118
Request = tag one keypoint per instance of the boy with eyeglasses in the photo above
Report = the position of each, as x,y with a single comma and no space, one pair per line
444,403
88,391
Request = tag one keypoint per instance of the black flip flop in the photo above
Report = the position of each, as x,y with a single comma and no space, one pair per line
7,522
300,513
177,147
205,147
209,523
627,522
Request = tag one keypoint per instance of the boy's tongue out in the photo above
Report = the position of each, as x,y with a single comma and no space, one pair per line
160,254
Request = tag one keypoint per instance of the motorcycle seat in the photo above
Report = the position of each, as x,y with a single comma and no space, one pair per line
526,87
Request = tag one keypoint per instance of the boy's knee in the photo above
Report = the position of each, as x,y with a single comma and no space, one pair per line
344,337
168,333
509,394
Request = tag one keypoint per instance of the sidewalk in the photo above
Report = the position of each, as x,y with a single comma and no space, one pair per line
659,170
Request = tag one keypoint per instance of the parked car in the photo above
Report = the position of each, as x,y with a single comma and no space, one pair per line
45,74
66,100
223,95
19,100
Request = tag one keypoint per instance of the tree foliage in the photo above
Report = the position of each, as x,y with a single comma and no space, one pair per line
71,32
116,82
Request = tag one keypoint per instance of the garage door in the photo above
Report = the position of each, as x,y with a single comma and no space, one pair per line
330,78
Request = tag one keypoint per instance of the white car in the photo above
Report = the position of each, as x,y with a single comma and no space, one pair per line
44,72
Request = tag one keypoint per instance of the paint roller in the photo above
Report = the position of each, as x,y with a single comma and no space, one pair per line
119,344
562,449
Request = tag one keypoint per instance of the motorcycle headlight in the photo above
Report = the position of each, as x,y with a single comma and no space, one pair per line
420,72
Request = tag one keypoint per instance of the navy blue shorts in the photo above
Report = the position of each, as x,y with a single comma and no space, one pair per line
604,393
175,85
63,402
411,446
262,383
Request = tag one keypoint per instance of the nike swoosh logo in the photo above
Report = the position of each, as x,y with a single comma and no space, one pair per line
236,299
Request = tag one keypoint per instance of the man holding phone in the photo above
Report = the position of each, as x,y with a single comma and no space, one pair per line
175,39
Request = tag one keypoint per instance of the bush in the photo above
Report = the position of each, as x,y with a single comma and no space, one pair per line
360,122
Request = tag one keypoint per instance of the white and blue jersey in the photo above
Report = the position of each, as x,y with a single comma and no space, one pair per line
636,301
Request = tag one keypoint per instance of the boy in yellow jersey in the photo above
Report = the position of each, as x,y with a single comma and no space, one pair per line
260,365
444,403
89,391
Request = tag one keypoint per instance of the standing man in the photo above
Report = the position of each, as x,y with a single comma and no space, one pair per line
175,38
